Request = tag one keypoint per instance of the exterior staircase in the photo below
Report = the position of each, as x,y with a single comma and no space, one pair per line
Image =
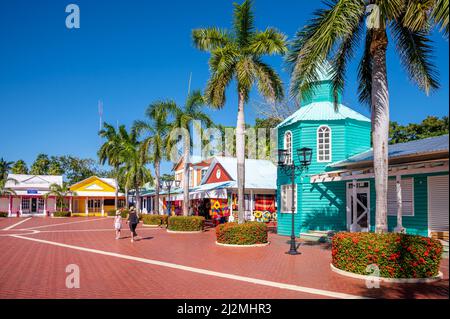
320,236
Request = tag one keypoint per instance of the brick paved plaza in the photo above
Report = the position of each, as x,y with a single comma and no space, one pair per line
34,255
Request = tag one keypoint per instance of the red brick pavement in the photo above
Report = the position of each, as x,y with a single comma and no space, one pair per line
37,270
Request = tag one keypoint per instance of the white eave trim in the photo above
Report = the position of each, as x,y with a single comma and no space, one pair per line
400,170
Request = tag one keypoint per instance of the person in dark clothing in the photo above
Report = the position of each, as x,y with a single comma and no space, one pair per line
133,221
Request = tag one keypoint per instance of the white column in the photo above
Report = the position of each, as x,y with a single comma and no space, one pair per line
20,206
354,226
9,206
70,204
103,206
56,204
251,201
86,206
45,206
398,183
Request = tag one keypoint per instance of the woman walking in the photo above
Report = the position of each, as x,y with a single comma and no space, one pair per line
133,221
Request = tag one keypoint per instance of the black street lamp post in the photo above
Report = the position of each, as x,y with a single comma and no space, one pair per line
168,184
286,163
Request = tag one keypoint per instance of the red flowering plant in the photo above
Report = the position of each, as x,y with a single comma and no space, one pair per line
396,255
249,233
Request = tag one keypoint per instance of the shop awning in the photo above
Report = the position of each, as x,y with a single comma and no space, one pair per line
215,190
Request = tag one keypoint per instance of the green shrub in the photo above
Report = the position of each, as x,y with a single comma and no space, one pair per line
111,213
396,255
123,213
186,223
250,233
61,214
3,214
152,220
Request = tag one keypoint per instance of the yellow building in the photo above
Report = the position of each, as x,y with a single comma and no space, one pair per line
94,196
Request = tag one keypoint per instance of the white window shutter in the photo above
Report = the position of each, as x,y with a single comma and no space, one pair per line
407,197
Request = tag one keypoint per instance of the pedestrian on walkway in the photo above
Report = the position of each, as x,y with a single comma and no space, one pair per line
133,221
118,223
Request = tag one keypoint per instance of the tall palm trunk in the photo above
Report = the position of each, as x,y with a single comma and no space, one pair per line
240,154
380,120
137,193
126,198
116,195
157,175
186,152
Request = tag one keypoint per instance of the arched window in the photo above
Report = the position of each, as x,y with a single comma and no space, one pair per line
324,144
288,147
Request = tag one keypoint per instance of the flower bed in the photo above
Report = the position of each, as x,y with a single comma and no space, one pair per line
186,223
154,220
3,214
396,255
61,214
250,233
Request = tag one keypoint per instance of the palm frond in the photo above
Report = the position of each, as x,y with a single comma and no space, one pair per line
415,51
314,43
216,87
440,15
365,72
269,42
269,83
195,100
210,38
344,53
390,9
223,58
243,23
245,75
416,14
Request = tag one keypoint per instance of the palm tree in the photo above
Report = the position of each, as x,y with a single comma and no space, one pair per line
335,32
7,191
5,168
110,152
134,171
184,116
60,192
156,128
238,55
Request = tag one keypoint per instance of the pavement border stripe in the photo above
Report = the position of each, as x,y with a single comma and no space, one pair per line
85,230
201,271
16,224
69,223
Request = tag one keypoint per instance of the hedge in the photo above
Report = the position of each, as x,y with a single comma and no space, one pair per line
249,233
396,255
123,213
61,214
152,220
186,223
3,214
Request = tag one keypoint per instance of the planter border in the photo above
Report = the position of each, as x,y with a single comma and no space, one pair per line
184,232
151,226
243,246
388,280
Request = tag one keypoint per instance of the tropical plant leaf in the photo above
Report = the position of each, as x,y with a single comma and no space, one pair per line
415,51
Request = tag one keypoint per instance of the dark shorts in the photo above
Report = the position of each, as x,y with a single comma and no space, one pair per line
133,228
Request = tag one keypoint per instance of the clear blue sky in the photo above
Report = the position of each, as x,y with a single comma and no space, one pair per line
130,53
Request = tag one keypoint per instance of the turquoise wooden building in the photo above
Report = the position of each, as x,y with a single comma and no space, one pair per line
337,192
